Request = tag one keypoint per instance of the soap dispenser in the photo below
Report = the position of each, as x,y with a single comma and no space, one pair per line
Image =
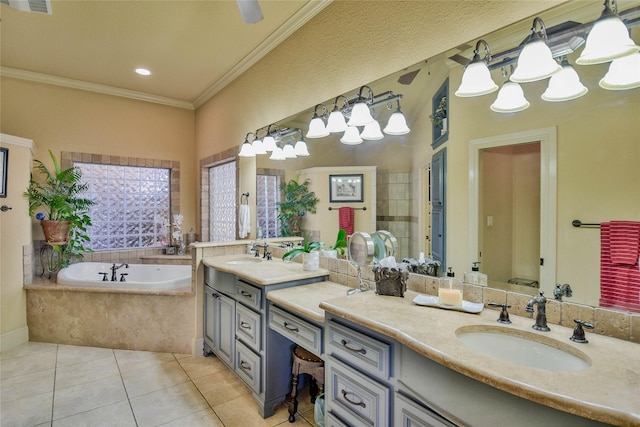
475,277
450,290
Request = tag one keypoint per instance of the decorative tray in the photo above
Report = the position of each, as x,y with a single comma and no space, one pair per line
433,301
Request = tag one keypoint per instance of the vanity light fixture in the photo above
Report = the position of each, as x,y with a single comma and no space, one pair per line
624,73
351,136
258,147
535,61
564,85
336,121
608,39
317,128
510,97
476,80
288,151
397,124
269,141
277,154
246,150
372,132
143,71
360,114
301,148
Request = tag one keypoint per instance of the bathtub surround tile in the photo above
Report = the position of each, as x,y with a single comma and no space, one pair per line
118,414
88,396
167,405
153,378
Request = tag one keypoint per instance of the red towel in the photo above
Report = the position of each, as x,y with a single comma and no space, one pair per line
345,218
619,283
624,241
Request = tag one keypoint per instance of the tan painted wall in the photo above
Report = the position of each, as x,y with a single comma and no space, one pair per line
16,232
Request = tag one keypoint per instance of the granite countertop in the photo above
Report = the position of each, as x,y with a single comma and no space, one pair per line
263,272
607,391
305,299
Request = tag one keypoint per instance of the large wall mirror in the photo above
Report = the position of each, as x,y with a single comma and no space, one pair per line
595,167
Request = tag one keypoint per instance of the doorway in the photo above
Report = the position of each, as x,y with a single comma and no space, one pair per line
514,237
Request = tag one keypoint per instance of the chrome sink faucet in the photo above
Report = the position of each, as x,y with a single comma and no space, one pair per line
541,315
114,277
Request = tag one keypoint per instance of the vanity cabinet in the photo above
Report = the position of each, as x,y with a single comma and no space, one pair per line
236,330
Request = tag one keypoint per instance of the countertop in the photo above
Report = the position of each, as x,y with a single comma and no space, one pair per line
607,391
305,299
264,272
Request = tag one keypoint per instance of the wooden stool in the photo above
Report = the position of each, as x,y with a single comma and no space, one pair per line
305,362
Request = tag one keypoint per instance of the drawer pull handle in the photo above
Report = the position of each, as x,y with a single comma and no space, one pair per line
245,325
245,294
355,350
292,329
344,394
244,365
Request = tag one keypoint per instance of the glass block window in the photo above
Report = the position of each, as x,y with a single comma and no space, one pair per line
222,202
132,205
267,198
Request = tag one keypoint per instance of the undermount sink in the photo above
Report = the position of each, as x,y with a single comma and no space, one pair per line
244,261
523,348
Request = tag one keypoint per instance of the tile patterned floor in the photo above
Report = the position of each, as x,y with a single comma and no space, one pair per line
54,385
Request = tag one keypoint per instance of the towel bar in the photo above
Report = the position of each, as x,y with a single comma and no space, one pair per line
357,209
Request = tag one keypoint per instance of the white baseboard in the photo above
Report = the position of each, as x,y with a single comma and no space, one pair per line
198,347
14,338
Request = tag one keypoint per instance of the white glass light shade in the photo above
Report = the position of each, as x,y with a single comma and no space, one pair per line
476,80
258,147
608,40
289,152
564,86
301,149
535,63
371,131
624,73
317,128
246,150
277,154
360,115
510,99
269,143
397,124
351,136
336,122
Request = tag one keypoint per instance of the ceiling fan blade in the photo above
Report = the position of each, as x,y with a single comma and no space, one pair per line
460,59
250,11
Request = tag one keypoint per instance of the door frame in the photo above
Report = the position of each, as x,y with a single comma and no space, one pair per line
548,193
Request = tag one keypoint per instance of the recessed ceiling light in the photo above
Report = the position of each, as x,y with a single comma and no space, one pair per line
143,71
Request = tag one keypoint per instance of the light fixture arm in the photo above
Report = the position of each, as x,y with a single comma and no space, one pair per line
487,52
543,30
345,106
324,113
246,137
369,98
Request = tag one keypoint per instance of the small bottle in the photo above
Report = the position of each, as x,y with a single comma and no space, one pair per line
450,290
475,277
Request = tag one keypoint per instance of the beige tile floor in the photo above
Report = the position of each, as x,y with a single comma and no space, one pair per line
56,385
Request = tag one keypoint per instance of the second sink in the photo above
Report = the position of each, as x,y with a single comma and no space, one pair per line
244,261
523,348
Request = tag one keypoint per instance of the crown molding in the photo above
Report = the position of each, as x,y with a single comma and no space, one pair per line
92,87
296,21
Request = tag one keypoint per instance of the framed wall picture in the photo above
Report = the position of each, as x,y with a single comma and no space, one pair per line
345,188
440,115
4,162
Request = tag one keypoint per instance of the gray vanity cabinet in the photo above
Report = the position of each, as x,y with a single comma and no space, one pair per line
236,331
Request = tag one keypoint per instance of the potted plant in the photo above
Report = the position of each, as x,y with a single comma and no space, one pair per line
65,220
439,117
338,247
298,200
309,252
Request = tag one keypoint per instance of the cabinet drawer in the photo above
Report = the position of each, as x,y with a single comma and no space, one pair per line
356,398
248,295
248,367
333,421
248,327
298,330
363,351
410,414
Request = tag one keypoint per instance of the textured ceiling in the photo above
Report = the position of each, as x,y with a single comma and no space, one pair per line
193,48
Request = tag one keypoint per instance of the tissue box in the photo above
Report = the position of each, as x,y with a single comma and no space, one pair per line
390,281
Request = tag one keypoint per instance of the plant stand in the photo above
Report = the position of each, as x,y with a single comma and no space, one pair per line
48,258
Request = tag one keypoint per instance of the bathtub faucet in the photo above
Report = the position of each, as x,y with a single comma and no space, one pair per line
114,277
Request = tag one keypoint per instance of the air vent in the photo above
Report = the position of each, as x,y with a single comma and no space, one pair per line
39,6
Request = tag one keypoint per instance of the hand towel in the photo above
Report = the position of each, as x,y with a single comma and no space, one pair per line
244,221
345,219
625,242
